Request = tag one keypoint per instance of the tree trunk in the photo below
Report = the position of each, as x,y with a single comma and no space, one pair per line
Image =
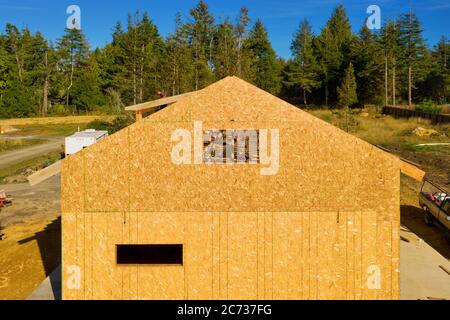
410,86
386,81
141,76
71,79
19,68
393,84
304,96
45,89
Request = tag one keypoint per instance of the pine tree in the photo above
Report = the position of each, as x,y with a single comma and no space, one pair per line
412,46
4,76
179,68
73,52
244,56
347,91
265,62
369,67
224,53
139,53
200,30
333,50
303,71
391,42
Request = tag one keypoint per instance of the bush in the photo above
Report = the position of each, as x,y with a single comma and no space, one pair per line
429,107
58,110
117,124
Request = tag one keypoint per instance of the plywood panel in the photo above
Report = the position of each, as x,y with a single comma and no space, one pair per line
107,166
88,253
309,231
326,273
198,256
106,276
340,257
70,266
223,263
280,255
268,255
351,231
129,272
315,225
161,281
395,263
370,264
358,253
300,184
384,258
216,255
297,227
72,183
243,257
261,255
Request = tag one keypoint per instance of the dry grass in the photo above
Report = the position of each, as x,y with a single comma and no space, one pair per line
8,145
54,120
17,172
384,130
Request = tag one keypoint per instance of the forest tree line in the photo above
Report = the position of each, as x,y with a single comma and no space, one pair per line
334,68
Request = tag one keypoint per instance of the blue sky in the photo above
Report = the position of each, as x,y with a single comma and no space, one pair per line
280,17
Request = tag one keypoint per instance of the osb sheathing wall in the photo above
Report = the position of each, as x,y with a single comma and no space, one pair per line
312,231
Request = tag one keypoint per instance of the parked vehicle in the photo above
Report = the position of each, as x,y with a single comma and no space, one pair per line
82,139
5,200
435,200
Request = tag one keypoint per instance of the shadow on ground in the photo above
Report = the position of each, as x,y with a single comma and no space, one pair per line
49,242
412,218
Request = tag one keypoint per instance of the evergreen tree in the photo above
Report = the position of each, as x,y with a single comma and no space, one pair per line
303,71
391,42
347,90
179,66
369,67
139,53
412,47
333,49
73,52
435,85
265,62
244,56
224,54
200,30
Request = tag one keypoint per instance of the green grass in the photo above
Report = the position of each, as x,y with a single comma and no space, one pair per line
415,148
8,145
36,163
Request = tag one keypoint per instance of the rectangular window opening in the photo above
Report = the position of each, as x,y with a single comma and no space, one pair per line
150,254
241,146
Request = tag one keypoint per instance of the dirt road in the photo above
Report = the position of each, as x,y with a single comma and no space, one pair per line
40,202
16,156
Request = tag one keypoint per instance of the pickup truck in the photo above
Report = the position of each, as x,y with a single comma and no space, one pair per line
436,203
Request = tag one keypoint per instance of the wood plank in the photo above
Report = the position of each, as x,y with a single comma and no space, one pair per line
411,171
151,105
45,174
409,168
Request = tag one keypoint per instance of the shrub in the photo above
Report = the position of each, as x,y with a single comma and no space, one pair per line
429,107
112,127
58,110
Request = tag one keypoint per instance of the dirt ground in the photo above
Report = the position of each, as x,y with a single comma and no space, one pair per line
31,247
